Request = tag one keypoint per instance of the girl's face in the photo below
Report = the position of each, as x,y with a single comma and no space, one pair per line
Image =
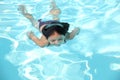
56,39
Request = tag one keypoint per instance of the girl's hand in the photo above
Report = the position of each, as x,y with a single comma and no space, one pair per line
30,34
76,30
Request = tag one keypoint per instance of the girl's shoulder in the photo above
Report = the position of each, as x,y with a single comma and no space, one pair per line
67,35
44,40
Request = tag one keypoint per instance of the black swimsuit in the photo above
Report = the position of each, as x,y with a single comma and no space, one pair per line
45,22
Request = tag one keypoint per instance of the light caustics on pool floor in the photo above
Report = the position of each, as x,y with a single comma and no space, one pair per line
94,54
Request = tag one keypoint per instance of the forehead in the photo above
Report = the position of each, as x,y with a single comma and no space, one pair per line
55,35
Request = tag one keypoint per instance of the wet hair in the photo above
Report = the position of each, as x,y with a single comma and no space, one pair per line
59,27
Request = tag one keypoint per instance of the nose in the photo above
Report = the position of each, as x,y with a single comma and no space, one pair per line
57,42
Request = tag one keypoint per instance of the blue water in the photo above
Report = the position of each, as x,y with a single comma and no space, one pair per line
94,54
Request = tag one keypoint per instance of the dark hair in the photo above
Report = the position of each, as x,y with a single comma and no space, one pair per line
60,28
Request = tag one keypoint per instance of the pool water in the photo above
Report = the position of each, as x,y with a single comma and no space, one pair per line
94,54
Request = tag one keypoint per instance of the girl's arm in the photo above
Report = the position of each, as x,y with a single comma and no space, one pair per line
72,34
40,42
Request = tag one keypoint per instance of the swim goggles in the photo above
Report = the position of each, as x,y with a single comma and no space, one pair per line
51,25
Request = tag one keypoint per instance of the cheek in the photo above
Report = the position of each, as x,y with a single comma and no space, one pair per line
51,42
62,41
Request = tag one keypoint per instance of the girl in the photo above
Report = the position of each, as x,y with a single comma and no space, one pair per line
53,31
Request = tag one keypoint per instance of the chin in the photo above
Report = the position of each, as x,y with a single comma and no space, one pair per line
57,45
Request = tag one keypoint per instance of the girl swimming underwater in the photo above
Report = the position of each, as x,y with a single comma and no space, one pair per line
54,32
